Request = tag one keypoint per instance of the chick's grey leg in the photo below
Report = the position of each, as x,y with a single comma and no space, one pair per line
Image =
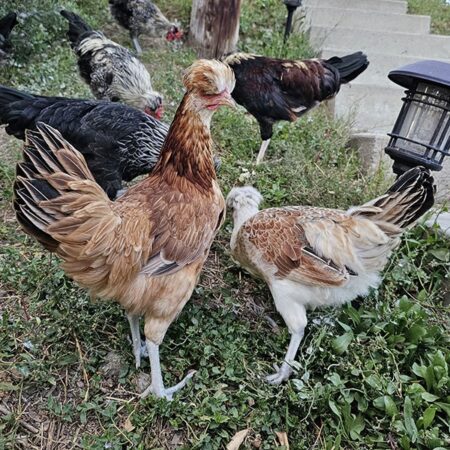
135,338
294,314
262,151
285,371
157,387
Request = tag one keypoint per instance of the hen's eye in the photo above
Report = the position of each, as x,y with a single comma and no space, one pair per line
213,95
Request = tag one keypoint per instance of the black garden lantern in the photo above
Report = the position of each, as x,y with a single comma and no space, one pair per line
421,134
291,6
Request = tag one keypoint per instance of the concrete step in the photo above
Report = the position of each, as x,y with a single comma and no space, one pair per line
371,149
379,67
393,6
396,44
370,108
367,20
443,220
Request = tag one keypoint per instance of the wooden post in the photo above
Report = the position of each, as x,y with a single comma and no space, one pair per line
214,29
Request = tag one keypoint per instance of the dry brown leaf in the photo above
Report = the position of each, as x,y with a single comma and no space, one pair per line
128,426
283,438
238,439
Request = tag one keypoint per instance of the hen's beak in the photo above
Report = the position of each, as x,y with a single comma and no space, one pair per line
227,100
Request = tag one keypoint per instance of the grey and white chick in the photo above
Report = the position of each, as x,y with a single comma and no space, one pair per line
143,17
112,72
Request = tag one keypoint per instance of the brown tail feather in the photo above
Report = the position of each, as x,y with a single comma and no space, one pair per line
50,166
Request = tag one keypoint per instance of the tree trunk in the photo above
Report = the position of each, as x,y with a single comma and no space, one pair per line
214,29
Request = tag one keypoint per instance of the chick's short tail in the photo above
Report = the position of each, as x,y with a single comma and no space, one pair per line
349,66
9,95
77,28
7,23
13,103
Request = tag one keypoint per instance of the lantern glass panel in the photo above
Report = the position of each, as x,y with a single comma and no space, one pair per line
426,121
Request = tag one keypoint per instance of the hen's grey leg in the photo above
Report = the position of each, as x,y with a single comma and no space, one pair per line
285,371
135,338
157,387
262,151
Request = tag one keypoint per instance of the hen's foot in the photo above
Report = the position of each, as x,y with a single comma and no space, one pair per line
281,374
167,393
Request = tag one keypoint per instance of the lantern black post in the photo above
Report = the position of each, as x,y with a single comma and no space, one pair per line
421,134
291,6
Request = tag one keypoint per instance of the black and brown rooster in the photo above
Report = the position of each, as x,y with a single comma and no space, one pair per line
274,89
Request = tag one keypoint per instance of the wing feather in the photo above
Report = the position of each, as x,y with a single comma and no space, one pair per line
315,246
153,229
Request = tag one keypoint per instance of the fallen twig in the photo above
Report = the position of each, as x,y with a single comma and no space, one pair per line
85,375
21,422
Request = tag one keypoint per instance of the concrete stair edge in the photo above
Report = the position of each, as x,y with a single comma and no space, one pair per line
368,5
434,46
333,17
380,65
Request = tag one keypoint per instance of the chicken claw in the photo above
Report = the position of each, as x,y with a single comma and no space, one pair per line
168,393
280,375
157,386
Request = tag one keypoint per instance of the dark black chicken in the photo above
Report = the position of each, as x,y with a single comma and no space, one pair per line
143,17
119,142
111,71
7,23
279,89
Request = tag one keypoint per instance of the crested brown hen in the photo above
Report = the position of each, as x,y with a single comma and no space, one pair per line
146,249
311,257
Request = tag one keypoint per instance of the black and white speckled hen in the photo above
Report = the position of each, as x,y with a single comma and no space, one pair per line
111,71
143,17
7,23
280,89
118,142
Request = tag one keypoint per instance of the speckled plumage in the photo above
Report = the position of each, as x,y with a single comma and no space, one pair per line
119,142
111,71
140,17
311,257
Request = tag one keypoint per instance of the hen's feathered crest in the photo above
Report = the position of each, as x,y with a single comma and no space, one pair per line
209,77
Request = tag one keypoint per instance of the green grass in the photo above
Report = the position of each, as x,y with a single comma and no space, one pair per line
373,375
437,9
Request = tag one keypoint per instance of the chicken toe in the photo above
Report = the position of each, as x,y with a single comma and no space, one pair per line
285,371
157,387
282,374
